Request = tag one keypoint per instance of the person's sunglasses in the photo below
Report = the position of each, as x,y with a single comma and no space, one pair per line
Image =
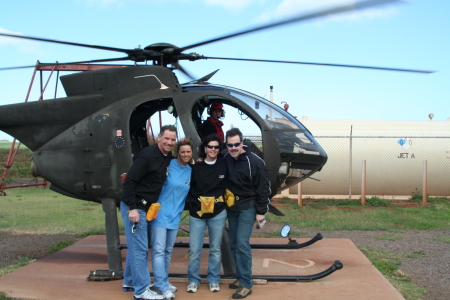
233,145
212,147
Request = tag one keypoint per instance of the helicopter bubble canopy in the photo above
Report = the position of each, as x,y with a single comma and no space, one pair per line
289,150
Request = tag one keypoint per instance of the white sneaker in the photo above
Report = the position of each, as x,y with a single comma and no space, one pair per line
192,287
214,287
168,295
172,288
148,295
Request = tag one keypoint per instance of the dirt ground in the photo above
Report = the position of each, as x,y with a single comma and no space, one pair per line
430,271
33,246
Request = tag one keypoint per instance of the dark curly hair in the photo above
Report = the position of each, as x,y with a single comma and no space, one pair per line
210,138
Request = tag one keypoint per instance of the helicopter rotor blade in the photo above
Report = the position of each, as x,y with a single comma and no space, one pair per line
323,64
65,43
67,63
183,70
335,10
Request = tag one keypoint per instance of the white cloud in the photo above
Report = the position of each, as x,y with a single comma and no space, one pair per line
23,45
8,41
289,8
104,3
230,4
121,3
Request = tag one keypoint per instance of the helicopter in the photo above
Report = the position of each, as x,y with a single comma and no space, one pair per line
82,143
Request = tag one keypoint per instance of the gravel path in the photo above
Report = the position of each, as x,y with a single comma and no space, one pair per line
432,271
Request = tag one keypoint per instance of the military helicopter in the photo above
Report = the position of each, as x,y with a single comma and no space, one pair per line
83,143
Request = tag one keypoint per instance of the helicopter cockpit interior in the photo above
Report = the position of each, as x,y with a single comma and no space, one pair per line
143,134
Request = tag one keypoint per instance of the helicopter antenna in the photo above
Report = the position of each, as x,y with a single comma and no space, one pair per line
204,78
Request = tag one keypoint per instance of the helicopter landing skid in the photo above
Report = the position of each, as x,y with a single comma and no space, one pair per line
291,245
337,265
105,275
306,278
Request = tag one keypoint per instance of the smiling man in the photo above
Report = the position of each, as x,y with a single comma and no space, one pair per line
141,188
249,181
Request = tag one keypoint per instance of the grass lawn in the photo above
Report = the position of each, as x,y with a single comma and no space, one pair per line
5,144
42,211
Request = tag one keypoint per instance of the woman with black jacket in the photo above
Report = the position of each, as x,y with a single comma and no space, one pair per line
208,184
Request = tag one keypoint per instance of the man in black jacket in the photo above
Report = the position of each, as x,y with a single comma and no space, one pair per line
141,188
249,181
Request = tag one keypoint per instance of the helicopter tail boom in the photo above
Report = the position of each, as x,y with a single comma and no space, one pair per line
35,123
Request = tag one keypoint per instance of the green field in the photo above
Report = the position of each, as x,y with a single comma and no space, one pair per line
5,145
42,211
21,165
27,210
332,215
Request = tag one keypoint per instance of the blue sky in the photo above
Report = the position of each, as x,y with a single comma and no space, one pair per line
412,35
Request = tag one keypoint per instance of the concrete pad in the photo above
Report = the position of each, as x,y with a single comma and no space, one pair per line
62,275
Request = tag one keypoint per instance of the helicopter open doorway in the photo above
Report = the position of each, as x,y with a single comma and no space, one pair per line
145,121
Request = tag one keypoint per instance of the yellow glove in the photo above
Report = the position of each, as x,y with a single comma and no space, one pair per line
229,198
153,210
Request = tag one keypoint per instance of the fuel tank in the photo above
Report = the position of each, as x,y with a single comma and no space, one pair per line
394,152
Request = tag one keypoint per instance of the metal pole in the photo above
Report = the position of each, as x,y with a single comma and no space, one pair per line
363,184
112,234
56,85
425,183
228,264
271,100
300,194
350,166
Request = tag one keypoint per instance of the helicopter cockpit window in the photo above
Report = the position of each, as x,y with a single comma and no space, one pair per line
290,137
233,116
271,116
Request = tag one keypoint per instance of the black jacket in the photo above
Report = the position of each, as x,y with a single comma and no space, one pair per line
209,127
146,177
208,180
248,179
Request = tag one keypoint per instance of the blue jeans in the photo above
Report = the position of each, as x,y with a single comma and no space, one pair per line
136,272
240,225
197,228
163,240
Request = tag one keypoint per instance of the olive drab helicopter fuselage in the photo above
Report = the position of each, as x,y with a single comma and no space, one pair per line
82,143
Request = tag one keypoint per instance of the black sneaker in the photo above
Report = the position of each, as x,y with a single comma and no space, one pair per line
242,292
234,285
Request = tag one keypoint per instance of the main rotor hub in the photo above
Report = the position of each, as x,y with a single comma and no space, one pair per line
162,47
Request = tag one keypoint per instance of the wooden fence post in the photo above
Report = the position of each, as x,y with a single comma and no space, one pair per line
425,183
299,194
363,183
